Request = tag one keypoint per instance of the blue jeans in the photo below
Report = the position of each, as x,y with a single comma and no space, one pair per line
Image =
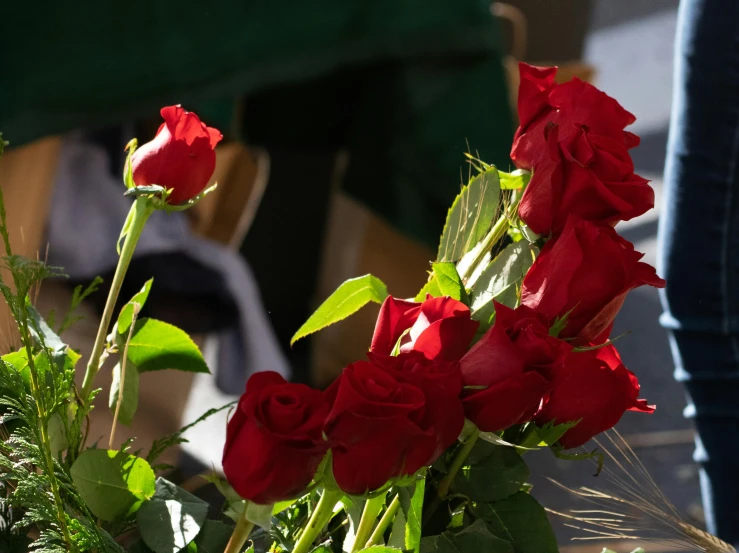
699,246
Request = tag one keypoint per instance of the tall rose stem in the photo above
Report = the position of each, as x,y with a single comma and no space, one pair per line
140,212
240,535
385,521
320,517
372,508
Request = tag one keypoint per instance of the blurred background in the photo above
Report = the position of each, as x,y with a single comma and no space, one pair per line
345,126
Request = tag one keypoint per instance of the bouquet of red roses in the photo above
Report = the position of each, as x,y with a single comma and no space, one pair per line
504,349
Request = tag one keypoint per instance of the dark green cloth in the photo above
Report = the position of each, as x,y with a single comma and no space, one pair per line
89,63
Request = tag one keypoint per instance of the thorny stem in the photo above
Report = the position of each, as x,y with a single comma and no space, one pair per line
140,212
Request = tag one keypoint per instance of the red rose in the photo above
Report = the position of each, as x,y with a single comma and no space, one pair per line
180,157
586,271
585,174
596,389
445,373
571,106
515,360
274,441
387,422
439,327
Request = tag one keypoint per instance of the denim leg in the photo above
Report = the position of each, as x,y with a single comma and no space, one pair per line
699,245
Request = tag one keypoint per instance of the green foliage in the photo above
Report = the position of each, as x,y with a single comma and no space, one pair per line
411,503
495,472
476,538
127,313
444,281
348,298
501,280
514,180
156,345
431,288
546,435
78,296
130,401
112,482
161,445
520,520
470,216
171,518
212,538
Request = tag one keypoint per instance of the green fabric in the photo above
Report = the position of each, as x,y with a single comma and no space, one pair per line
87,63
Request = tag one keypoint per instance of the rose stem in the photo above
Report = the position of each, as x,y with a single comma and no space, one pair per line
122,376
377,537
457,463
372,508
140,211
240,534
320,517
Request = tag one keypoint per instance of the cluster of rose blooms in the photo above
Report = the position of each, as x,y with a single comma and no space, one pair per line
546,361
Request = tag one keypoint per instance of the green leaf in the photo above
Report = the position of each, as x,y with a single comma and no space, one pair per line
130,392
497,473
171,519
45,337
261,515
514,180
19,361
156,345
382,549
111,482
545,435
476,538
397,533
353,507
449,281
470,216
127,167
126,316
431,288
499,281
348,298
522,521
213,537
411,503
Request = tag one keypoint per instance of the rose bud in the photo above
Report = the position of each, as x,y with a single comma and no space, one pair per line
274,441
439,328
511,367
181,156
594,388
585,274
